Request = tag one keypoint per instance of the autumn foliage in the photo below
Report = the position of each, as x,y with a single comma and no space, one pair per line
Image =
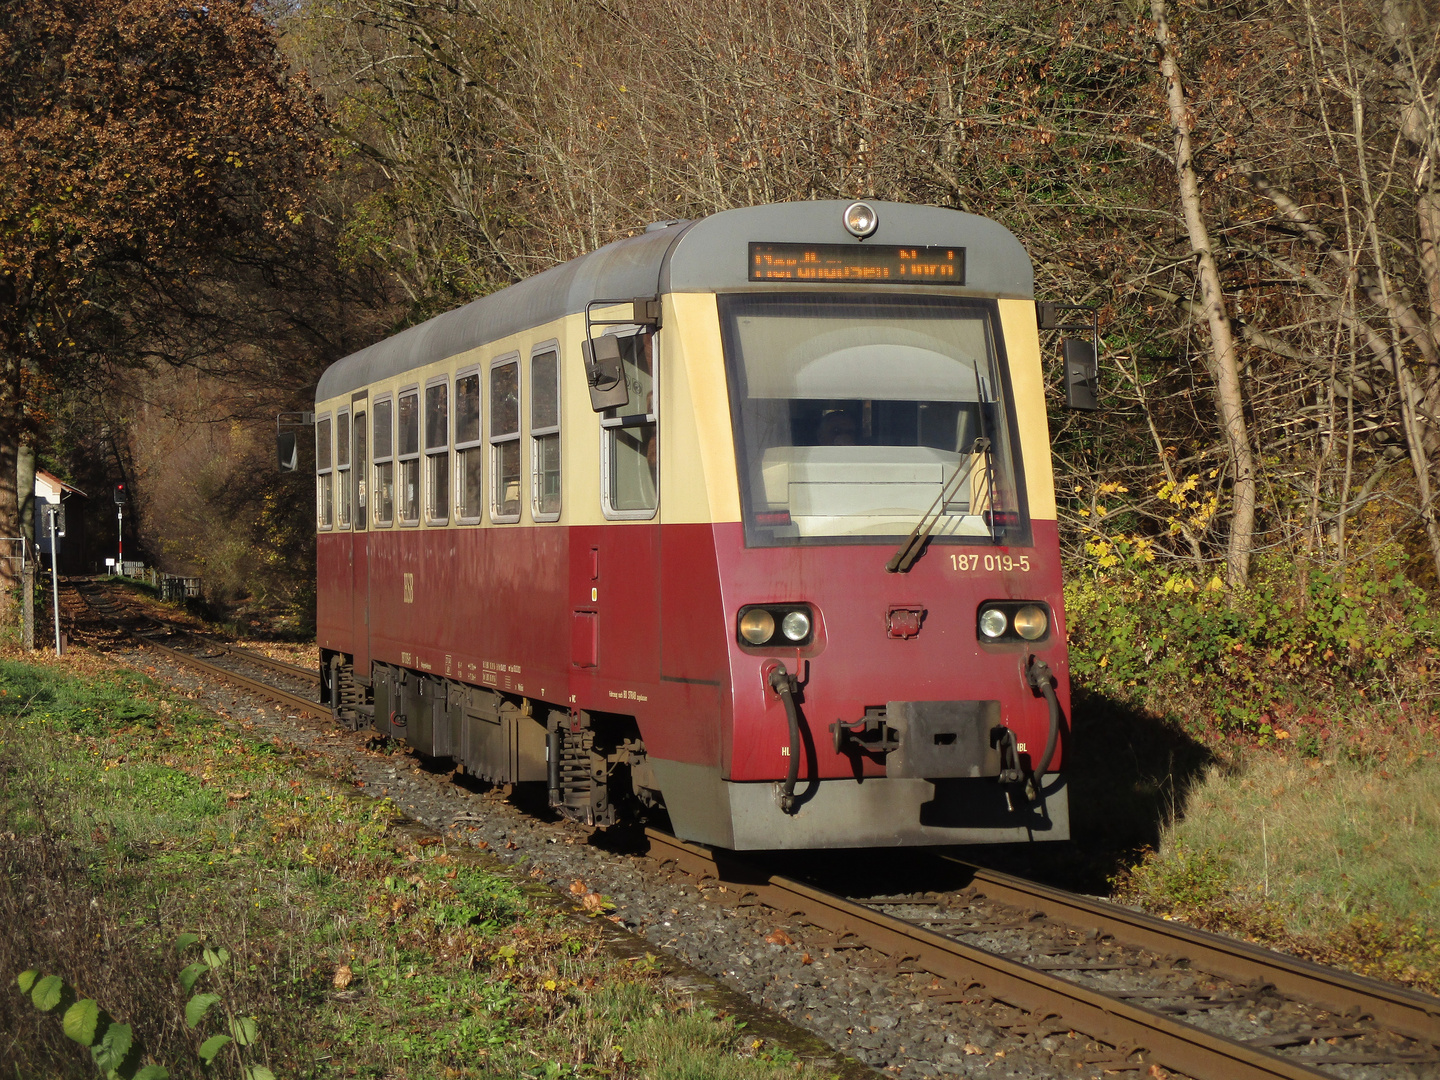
147,147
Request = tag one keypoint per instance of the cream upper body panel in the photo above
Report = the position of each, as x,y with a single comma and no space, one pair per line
697,445
696,441
1027,383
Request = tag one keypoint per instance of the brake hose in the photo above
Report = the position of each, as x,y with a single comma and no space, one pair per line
783,683
1038,674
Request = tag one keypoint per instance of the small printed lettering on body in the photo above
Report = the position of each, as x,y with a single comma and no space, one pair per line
409,588
784,751
626,695
990,563
405,658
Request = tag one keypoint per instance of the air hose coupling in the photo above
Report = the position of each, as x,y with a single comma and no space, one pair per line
784,685
1042,681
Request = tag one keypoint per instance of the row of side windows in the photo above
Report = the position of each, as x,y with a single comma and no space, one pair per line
429,452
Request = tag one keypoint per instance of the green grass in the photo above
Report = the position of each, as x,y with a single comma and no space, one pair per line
1336,856
128,815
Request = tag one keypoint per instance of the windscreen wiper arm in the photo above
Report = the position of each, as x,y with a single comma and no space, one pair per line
914,544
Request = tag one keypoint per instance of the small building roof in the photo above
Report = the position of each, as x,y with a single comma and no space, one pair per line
50,486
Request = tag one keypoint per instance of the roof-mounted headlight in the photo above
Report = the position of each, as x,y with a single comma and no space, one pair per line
861,220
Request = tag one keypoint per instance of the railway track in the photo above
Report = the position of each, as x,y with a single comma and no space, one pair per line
1399,1028
146,629
1157,993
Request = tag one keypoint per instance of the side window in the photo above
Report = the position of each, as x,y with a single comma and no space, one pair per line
384,494
469,452
324,475
437,452
342,468
505,440
545,434
630,458
408,481
360,433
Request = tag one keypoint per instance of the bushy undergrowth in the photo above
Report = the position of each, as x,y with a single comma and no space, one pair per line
1303,647
128,815
1305,814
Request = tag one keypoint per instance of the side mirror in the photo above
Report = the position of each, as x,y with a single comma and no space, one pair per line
286,451
1082,375
605,374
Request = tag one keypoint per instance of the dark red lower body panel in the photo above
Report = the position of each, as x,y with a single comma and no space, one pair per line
640,619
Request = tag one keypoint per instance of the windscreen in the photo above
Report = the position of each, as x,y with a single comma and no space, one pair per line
856,417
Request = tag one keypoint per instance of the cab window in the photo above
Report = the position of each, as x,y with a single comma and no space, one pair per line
630,458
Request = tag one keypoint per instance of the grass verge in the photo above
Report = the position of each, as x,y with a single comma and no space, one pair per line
1334,856
128,816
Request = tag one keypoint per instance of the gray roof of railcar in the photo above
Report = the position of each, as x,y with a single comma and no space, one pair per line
707,255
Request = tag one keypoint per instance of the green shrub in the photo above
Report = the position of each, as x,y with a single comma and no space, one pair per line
1302,638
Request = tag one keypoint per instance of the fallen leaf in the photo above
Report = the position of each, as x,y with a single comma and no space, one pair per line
806,959
511,845
779,937
592,901
482,844
579,888
971,1048
236,796
1158,1073
343,977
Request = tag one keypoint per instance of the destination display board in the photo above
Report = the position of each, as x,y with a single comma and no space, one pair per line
861,263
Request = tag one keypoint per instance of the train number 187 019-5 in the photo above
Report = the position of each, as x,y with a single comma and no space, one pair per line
991,563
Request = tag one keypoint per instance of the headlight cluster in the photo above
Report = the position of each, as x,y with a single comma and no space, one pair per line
776,624
1012,621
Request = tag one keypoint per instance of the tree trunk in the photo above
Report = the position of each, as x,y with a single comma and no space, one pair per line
9,504
1224,365
25,500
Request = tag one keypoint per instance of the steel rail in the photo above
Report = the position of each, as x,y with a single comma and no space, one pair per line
1405,1012
1167,1042
255,686
261,660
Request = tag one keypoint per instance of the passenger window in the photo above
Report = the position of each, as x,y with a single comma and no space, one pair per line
324,475
631,461
469,453
545,434
357,466
342,467
437,453
409,458
384,497
505,440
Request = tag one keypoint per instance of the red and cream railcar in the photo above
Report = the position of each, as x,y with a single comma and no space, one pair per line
750,516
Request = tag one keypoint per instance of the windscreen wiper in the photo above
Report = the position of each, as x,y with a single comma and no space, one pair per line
914,544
